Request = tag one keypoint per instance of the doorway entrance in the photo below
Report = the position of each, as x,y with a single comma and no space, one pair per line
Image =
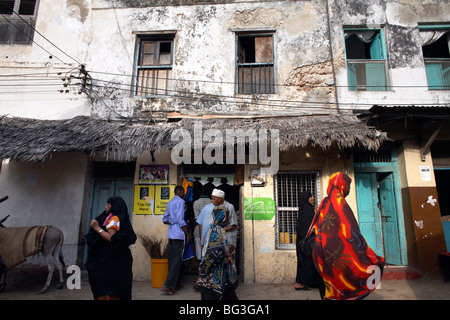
377,214
110,179
379,202
220,176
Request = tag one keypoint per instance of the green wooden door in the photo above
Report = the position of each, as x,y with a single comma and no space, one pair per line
368,212
389,221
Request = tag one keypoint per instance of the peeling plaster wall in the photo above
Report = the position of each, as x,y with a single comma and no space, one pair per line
406,71
205,51
102,34
66,25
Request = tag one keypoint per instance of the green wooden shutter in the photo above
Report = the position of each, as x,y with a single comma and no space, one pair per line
352,82
375,77
434,76
376,51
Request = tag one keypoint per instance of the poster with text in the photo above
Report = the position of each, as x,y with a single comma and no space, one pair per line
163,194
259,208
144,199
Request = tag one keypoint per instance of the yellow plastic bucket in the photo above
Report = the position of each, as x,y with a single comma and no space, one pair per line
159,272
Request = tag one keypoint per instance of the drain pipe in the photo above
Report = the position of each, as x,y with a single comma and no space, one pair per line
253,241
332,58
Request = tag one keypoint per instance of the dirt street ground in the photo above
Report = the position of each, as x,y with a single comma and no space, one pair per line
27,287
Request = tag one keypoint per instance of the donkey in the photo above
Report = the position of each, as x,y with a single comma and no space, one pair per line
51,249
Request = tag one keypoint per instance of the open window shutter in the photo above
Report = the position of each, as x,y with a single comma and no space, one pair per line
375,48
434,75
264,49
375,77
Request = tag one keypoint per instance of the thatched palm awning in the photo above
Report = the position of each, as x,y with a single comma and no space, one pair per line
33,140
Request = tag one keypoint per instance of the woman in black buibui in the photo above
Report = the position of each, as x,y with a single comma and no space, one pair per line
306,275
109,260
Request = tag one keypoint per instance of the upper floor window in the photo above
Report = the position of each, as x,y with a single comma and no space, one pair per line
436,54
154,62
17,21
366,59
255,63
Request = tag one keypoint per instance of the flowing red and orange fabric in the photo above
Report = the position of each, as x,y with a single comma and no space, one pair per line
341,254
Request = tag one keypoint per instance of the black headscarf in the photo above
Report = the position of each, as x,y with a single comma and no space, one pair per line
305,214
109,263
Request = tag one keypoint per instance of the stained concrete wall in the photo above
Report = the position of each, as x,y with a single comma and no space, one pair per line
205,55
424,232
46,193
36,71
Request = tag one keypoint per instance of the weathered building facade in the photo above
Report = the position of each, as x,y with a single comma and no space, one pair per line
112,83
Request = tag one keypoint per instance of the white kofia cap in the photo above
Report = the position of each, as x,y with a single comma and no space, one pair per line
218,193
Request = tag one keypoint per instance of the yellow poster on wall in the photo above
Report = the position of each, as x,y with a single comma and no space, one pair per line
163,194
144,199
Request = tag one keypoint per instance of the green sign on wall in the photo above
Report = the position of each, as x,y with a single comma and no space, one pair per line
260,208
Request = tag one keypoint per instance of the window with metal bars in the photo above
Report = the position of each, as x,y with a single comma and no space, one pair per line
154,65
288,185
361,156
255,63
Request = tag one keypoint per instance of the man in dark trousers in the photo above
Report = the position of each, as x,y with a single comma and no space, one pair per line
177,234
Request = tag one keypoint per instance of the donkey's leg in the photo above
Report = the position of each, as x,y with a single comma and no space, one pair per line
3,281
59,265
51,249
51,268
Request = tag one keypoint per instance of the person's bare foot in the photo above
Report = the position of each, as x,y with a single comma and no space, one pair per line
299,286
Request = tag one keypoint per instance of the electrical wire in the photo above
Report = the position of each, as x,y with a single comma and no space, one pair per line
31,38
243,100
202,97
233,83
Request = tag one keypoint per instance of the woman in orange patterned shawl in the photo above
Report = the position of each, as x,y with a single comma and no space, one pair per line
341,254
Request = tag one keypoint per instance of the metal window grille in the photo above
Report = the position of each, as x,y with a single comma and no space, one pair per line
288,186
154,66
361,156
255,64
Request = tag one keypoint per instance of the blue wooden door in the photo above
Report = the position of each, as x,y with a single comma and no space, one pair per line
104,189
389,221
368,212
